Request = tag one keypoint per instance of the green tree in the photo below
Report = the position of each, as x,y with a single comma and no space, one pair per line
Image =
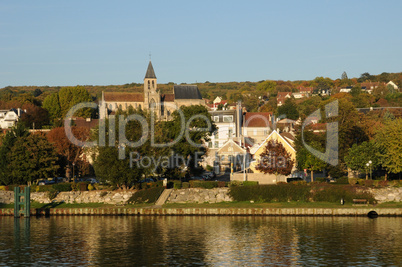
360,155
32,158
313,163
19,131
388,141
268,87
289,109
52,105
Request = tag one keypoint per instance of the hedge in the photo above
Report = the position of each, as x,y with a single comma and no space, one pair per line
283,192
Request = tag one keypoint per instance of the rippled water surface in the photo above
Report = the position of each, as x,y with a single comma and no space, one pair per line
210,241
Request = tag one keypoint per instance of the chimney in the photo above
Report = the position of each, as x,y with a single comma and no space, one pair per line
19,112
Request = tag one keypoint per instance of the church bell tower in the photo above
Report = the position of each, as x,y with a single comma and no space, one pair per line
151,93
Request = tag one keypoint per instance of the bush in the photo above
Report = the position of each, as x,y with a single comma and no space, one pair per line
352,181
150,195
342,180
221,184
329,193
2,188
62,187
281,192
248,183
185,185
45,188
177,184
90,187
52,193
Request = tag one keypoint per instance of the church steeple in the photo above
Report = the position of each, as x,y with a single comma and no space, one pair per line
150,72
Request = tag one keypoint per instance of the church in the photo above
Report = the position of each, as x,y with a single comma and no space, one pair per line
151,99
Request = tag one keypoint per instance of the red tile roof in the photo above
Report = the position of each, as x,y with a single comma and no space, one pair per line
258,119
124,97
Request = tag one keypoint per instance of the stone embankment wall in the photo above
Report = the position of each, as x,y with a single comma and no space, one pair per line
387,194
190,195
199,195
107,197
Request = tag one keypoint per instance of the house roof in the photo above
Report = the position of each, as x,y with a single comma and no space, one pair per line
258,119
283,94
81,122
230,141
269,136
150,72
186,92
288,136
123,97
167,97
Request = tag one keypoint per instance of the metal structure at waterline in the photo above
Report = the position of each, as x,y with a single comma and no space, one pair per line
22,201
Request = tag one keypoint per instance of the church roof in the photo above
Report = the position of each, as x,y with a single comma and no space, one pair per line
123,97
167,97
150,72
186,92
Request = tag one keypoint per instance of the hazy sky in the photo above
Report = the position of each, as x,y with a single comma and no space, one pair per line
108,42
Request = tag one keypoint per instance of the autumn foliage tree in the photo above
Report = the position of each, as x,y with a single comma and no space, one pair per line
275,159
69,152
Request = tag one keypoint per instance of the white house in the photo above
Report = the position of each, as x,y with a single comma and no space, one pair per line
8,118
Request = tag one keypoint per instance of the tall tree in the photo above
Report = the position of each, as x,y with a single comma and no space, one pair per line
389,144
289,109
275,159
32,158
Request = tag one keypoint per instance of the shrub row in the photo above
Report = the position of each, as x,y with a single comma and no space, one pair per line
150,195
280,192
283,192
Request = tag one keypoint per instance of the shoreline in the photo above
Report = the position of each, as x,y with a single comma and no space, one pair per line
160,211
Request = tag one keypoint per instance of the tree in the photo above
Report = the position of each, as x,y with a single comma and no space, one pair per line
344,76
313,163
58,104
52,105
268,87
289,109
32,158
388,141
360,155
18,131
275,159
34,117
69,152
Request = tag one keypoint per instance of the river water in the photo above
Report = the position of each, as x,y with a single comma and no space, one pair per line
201,240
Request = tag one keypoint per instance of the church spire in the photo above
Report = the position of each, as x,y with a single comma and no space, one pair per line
150,72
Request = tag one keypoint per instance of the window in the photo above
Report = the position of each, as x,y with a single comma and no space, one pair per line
228,118
216,118
265,132
216,144
216,135
210,144
149,85
230,132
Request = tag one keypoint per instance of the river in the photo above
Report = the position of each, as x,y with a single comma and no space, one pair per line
200,240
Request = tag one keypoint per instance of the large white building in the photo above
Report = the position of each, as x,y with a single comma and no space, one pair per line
9,117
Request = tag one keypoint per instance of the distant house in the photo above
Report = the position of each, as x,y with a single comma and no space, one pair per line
231,152
9,118
306,91
281,97
391,83
345,89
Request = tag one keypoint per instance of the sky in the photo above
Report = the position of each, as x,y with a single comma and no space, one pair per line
67,43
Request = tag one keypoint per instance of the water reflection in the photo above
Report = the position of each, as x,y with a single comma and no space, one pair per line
210,241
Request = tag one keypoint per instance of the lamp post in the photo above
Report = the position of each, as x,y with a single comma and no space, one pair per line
369,164
73,172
